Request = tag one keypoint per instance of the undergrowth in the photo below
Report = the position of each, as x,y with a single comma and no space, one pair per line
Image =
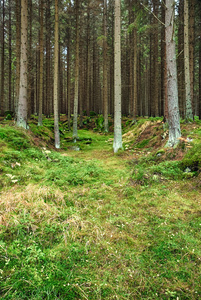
89,225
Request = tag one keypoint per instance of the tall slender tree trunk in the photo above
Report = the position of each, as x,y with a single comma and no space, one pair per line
155,60
189,111
131,52
180,59
163,62
56,77
88,61
48,78
10,104
135,73
22,106
30,62
75,135
200,65
69,83
172,89
40,110
18,42
2,59
117,78
105,66
191,49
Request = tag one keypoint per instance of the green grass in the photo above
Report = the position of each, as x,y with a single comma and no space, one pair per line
89,225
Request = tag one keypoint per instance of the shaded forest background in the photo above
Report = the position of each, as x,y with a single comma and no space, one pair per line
143,56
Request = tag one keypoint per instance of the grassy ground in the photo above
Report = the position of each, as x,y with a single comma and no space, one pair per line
89,224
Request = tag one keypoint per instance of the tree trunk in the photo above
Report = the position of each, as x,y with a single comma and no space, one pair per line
88,62
189,111
2,59
40,110
69,83
117,78
22,106
135,73
10,104
105,66
48,78
155,60
172,89
163,63
200,65
56,77
75,135
30,63
180,59
18,42
191,48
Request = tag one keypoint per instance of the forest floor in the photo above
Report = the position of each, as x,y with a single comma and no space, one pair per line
84,223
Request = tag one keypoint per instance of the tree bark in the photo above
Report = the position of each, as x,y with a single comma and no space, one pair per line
22,106
10,103
56,77
117,78
41,45
180,59
2,59
155,60
189,111
75,135
69,82
48,61
172,89
200,65
191,48
105,66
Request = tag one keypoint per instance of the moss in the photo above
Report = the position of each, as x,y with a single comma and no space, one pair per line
192,159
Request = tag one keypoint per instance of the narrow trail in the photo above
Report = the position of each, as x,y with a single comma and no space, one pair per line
101,154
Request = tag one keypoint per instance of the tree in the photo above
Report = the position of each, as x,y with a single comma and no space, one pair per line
135,85
2,59
10,60
199,101
56,77
40,121
18,43
192,47
189,111
48,61
105,64
22,105
117,78
172,89
76,71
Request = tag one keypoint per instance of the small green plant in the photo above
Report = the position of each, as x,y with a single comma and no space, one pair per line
8,117
142,144
100,122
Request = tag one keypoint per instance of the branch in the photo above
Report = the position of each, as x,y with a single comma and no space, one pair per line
146,8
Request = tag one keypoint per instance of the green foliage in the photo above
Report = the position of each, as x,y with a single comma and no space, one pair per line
44,132
92,114
192,159
153,119
100,122
16,139
143,144
8,117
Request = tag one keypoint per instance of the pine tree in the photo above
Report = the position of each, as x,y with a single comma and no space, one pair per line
117,78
